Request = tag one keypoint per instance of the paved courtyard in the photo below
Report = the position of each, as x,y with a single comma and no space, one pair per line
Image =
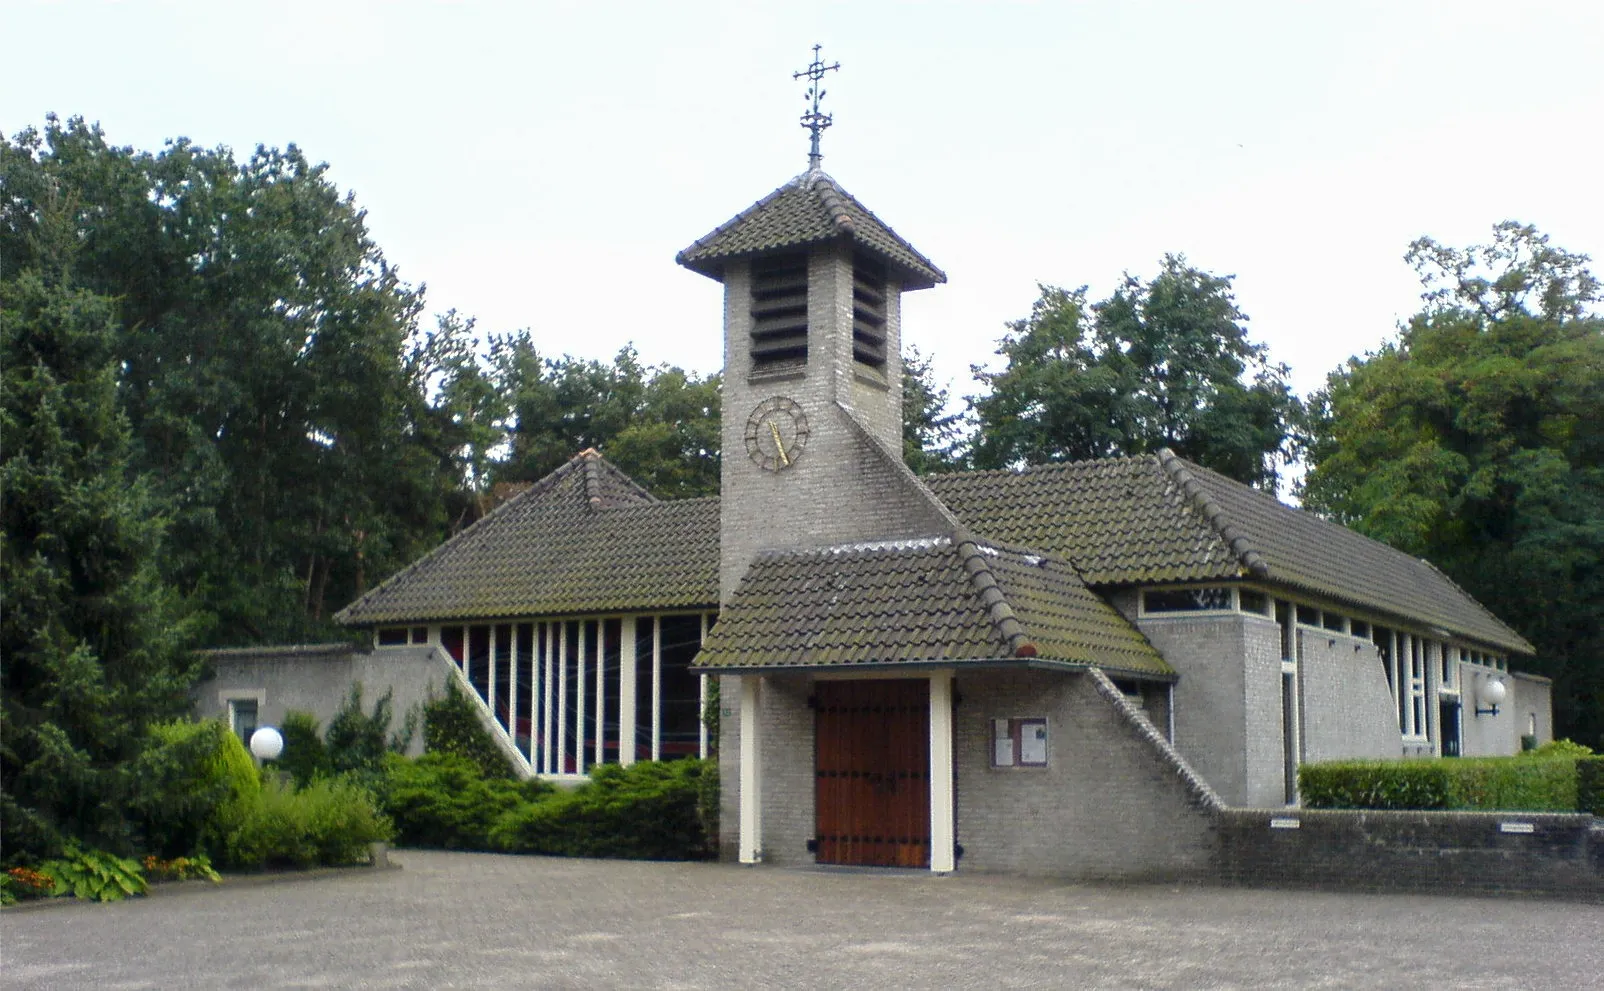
480,921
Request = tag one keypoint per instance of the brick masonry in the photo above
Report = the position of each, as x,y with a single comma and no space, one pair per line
1228,701
1418,852
1107,775
318,680
1348,710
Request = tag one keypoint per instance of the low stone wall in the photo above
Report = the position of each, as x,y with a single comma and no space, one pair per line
1414,852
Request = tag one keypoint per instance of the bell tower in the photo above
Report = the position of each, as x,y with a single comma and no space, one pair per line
813,285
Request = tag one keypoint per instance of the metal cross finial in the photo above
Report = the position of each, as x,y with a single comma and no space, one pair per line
813,120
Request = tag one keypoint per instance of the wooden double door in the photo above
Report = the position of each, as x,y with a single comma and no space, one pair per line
872,772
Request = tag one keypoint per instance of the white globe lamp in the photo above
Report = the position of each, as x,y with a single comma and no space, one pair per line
1490,693
267,743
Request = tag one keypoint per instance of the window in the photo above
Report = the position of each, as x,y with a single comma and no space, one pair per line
779,312
242,718
1186,599
392,636
868,312
574,693
1334,622
1359,628
1253,601
1019,742
1308,616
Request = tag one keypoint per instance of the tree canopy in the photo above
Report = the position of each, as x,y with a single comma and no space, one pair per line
1161,363
95,646
1477,441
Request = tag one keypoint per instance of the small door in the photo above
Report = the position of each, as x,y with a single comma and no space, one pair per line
872,772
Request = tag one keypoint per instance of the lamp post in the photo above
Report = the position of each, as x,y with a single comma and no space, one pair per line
266,743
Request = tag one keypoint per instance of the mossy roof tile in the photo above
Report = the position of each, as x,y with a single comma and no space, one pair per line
810,209
916,602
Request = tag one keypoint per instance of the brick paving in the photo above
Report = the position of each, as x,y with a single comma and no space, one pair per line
449,920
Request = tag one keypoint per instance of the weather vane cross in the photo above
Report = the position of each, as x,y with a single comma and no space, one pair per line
813,120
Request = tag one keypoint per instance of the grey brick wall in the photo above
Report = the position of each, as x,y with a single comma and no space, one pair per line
1489,735
1227,701
788,763
1106,806
1417,852
1348,709
1532,700
285,678
834,493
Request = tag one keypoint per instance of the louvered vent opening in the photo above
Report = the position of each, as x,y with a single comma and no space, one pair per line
869,312
779,312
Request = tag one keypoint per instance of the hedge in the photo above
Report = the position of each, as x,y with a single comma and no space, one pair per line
1526,784
443,800
647,811
1590,785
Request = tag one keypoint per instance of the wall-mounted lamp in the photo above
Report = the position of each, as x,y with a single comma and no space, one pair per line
1490,693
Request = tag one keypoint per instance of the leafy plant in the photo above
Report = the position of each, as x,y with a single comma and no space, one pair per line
647,811
451,725
443,800
24,882
196,868
305,757
329,822
189,770
94,875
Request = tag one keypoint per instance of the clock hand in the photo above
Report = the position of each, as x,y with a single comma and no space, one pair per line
779,445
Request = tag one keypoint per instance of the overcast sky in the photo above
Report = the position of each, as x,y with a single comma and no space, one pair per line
539,164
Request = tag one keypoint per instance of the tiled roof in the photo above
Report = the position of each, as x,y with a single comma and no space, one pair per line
1305,551
810,209
936,601
588,539
1156,518
585,538
1118,519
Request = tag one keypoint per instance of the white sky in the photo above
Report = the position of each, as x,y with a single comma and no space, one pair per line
539,164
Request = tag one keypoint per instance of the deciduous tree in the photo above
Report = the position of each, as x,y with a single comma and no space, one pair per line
1477,441
1161,363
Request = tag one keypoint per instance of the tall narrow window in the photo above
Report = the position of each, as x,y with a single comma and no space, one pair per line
779,312
868,312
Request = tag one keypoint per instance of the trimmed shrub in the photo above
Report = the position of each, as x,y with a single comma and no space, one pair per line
1517,785
1399,784
443,800
1560,748
187,773
1590,785
647,811
1525,784
304,757
331,821
451,726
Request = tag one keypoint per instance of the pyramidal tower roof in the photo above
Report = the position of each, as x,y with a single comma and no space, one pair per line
810,209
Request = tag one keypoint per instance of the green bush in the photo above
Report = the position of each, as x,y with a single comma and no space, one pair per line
1590,785
648,811
330,821
304,757
444,800
451,725
1560,748
1526,784
1399,784
186,774
94,875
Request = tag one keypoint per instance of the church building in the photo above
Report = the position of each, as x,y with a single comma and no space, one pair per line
1062,669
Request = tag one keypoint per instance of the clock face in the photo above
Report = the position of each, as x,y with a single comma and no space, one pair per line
776,433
